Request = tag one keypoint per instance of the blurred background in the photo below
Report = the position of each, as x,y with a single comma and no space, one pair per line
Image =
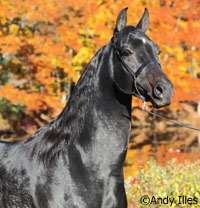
45,45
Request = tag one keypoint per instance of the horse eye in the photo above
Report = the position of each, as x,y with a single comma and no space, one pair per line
125,53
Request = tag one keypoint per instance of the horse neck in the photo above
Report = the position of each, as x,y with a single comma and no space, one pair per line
95,97
95,122
102,114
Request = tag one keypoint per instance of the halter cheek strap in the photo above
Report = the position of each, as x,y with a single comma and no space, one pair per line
138,94
138,72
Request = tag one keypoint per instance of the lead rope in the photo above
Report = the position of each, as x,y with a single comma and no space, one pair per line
166,119
144,108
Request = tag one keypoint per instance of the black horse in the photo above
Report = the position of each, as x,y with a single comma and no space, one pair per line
76,161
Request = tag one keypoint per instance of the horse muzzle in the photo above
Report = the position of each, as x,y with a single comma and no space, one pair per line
162,94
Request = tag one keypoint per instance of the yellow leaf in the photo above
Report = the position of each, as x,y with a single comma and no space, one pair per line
54,62
14,29
182,68
183,24
180,56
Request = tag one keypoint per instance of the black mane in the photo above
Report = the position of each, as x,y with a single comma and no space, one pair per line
50,140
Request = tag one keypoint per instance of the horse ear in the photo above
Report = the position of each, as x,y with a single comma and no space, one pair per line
121,20
144,22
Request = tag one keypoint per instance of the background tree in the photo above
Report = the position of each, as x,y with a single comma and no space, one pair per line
44,46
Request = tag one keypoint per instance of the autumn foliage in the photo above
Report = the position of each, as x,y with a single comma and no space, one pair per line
44,46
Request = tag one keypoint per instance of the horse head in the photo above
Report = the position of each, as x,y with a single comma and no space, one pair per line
137,68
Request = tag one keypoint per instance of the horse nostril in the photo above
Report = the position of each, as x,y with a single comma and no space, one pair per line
158,90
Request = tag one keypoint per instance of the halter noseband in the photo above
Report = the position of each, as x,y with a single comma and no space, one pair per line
138,72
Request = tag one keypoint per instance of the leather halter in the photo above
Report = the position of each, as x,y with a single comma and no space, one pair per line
137,73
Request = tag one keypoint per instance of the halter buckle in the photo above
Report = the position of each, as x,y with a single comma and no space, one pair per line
144,105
